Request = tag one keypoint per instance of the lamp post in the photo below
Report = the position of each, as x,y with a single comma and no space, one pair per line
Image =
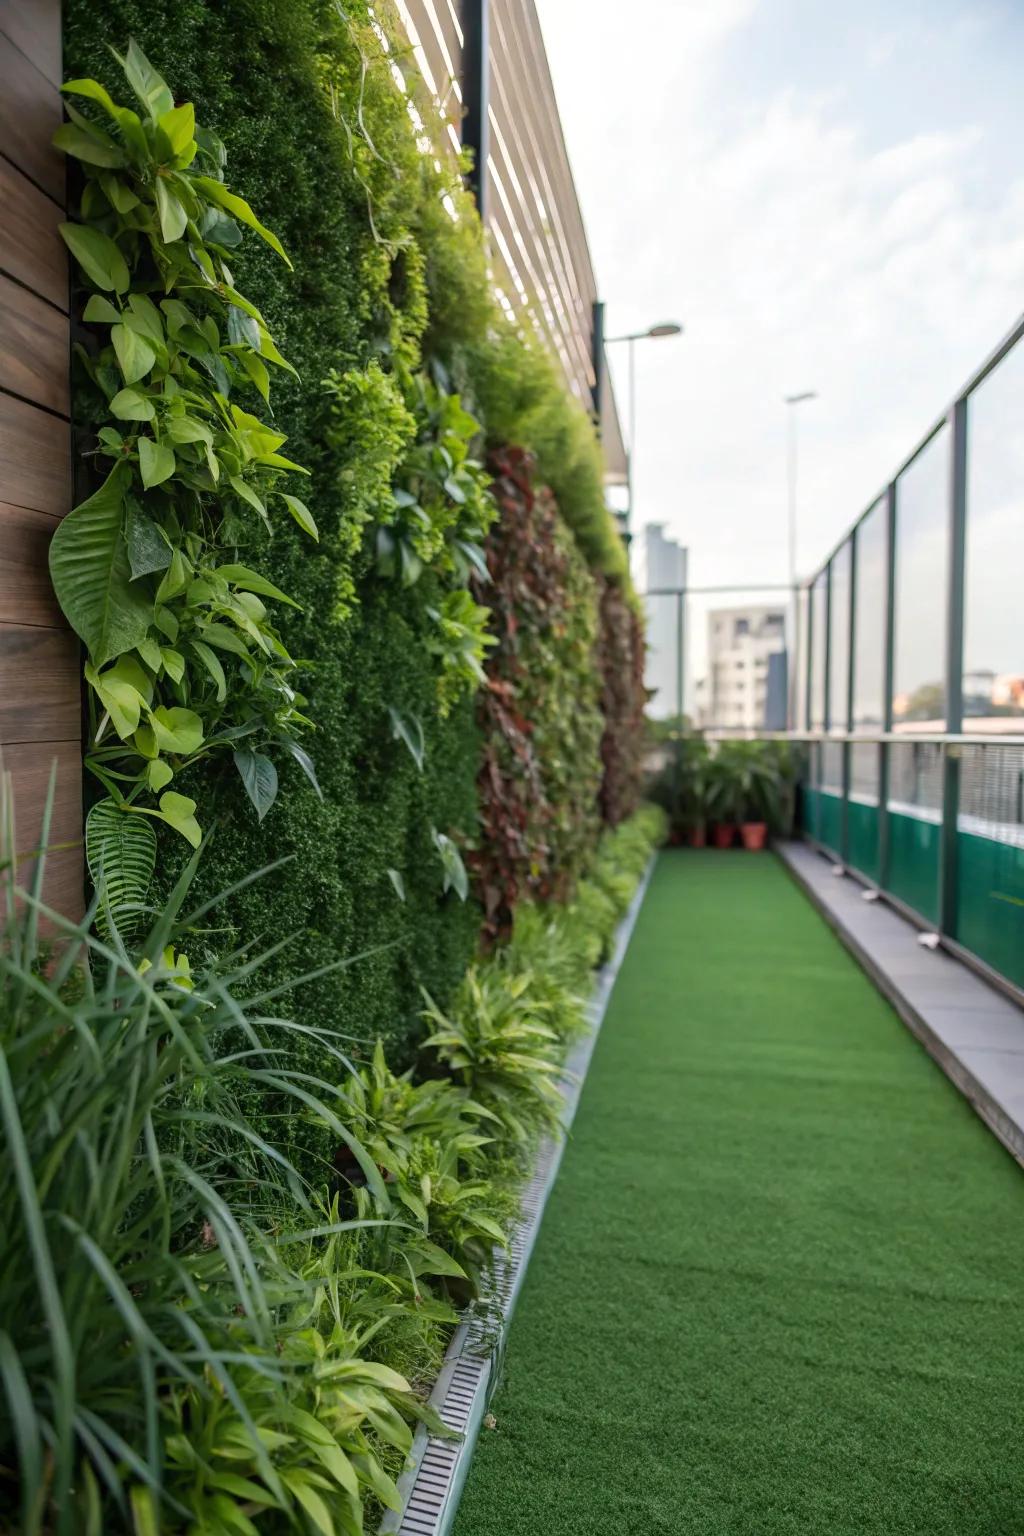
791,403
653,333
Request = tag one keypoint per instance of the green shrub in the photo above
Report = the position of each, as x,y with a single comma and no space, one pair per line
158,1299
197,1330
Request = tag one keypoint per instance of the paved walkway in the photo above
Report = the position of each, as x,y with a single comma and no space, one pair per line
780,1283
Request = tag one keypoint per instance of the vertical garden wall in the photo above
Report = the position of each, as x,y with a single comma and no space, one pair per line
362,696
384,315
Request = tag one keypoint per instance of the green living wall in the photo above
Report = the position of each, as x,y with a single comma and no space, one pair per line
387,288
363,698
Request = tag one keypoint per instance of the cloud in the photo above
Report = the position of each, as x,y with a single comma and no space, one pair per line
805,242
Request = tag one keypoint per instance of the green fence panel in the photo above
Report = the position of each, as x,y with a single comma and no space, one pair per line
809,814
914,863
990,902
862,838
830,821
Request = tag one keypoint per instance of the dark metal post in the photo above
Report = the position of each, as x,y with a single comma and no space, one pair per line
476,133
681,656
597,361
679,692
889,676
851,633
809,660
954,668
826,723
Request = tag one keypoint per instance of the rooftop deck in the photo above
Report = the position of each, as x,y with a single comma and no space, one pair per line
778,1285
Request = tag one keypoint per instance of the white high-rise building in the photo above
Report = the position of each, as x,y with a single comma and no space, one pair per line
745,685
659,565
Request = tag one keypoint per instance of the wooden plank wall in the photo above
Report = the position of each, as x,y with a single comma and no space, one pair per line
40,710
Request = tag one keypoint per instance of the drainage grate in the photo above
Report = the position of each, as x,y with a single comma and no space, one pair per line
432,1483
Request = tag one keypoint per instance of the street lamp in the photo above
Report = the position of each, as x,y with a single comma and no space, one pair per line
653,333
791,402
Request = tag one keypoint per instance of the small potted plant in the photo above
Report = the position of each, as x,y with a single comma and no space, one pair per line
724,803
759,779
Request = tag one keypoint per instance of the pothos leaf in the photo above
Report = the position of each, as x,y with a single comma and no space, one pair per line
98,256
259,776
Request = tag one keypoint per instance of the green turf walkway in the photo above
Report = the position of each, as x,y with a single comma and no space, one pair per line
779,1283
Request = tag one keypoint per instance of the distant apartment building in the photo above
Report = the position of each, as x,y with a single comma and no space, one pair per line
745,684
659,564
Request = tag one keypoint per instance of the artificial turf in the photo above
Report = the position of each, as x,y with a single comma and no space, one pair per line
778,1287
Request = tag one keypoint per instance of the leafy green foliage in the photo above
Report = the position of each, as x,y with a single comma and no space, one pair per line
183,657
751,781
178,1326
623,697
283,83
440,508
196,1334
497,1041
461,641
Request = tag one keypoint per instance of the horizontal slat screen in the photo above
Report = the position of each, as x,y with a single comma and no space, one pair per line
538,245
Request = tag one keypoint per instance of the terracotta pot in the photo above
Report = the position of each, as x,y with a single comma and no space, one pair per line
754,835
723,834
697,836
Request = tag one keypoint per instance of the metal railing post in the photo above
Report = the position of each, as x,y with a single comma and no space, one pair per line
476,129
954,668
889,673
844,844
597,362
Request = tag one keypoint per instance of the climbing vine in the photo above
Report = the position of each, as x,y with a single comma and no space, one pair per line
184,659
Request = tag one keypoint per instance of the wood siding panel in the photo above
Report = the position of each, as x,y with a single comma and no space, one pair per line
40,694
31,248
35,458
33,348
34,27
29,766
30,112
40,658
26,596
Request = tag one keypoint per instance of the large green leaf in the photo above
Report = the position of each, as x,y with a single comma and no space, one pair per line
177,729
239,209
173,217
149,86
72,140
251,581
134,354
179,812
156,461
98,256
120,850
91,575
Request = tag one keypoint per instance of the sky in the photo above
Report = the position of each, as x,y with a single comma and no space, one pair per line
828,197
